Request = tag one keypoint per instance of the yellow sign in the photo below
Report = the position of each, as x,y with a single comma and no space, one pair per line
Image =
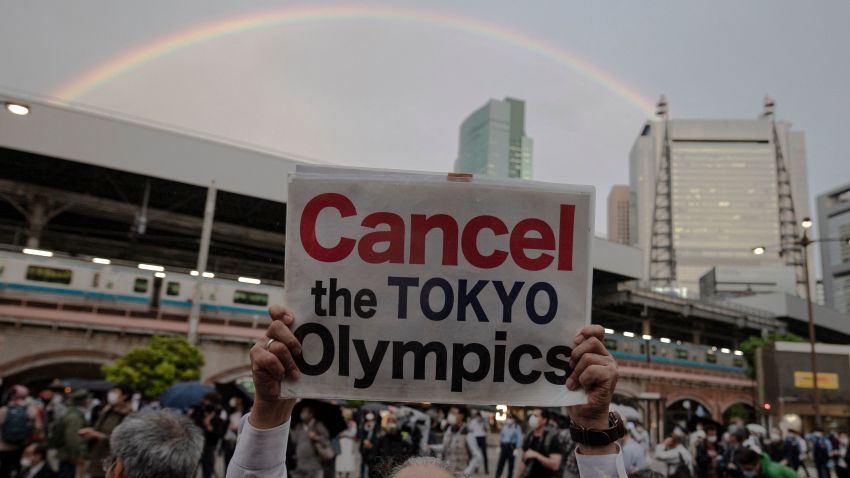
826,381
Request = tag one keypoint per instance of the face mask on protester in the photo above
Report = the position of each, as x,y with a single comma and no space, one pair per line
533,422
305,417
26,463
711,439
511,421
452,420
369,417
112,397
232,403
392,427
750,473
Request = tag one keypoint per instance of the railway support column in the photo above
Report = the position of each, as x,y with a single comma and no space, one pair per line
203,255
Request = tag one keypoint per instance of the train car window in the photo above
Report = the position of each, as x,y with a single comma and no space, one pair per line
250,298
140,285
95,280
49,274
611,344
172,288
682,354
711,358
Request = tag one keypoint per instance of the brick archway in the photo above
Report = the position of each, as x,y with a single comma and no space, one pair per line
55,357
229,374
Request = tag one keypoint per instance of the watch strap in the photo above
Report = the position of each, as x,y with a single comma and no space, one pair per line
599,437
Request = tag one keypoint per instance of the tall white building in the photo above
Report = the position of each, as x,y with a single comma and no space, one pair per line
834,223
493,141
721,198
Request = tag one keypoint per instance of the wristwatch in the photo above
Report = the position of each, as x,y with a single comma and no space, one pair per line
596,437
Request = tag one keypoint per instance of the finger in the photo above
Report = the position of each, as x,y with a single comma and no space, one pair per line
282,313
586,361
589,331
282,352
264,361
283,334
590,346
599,375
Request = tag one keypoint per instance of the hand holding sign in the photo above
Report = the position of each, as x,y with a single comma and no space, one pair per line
271,361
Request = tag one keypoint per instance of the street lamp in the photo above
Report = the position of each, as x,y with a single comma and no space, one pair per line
805,242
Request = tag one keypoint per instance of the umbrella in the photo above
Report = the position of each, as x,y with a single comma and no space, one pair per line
184,395
757,429
329,414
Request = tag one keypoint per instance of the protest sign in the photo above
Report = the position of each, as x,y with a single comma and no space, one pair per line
415,287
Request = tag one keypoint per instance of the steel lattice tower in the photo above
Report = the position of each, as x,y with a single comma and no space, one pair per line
789,247
662,258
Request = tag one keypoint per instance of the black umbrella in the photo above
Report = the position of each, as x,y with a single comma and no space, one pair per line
328,413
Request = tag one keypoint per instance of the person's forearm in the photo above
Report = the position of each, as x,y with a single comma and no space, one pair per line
265,415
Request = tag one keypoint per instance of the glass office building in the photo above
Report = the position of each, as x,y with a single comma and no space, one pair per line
834,223
493,141
723,193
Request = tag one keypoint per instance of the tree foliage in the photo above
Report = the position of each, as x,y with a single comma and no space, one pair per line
160,364
752,344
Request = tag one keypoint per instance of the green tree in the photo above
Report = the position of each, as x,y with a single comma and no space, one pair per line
753,343
160,364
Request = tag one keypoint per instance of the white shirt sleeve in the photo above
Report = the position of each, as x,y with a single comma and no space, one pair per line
601,466
259,453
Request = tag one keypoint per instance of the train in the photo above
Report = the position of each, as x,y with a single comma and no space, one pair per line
123,287
674,353
25,277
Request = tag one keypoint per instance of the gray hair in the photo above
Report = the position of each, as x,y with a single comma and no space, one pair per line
425,461
157,444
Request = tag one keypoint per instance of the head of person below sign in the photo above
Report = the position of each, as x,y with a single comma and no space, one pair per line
261,448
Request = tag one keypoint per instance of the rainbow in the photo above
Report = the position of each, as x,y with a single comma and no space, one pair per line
149,52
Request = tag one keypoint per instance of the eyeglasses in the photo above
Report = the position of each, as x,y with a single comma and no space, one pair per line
107,464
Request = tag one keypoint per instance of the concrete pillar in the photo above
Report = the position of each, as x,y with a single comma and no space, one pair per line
37,220
645,327
697,335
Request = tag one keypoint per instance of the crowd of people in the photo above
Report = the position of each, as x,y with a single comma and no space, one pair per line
76,435
68,435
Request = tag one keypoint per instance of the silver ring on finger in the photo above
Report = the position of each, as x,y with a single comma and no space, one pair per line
269,343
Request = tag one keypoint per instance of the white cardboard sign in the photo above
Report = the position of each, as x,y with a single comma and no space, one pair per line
414,287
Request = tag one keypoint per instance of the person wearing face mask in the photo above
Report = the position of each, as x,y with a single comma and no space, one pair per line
117,408
755,464
312,445
34,463
510,438
541,456
456,439
207,417
369,431
842,456
709,455
237,408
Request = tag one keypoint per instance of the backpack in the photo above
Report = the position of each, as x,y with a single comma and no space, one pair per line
16,429
568,456
682,470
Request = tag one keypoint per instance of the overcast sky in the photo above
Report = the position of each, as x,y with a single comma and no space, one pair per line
392,93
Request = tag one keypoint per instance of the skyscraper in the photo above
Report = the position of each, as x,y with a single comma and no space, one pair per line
493,141
705,192
618,214
834,223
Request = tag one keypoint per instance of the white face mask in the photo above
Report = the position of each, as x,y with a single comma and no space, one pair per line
711,439
511,421
533,422
452,420
26,463
112,397
233,403
370,417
